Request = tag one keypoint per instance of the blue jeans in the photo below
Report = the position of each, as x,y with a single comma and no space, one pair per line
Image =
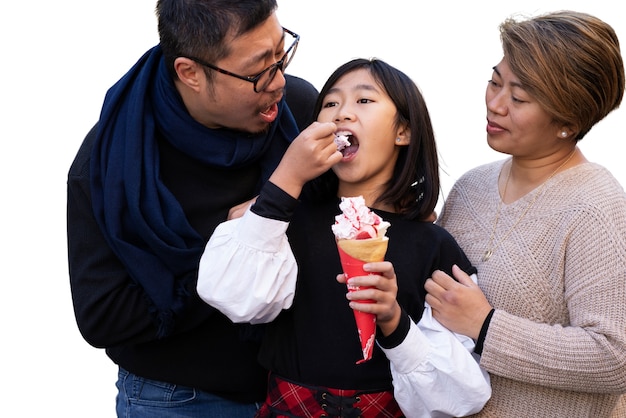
138,397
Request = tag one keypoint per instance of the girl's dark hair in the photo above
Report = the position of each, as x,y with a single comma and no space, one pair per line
414,187
198,28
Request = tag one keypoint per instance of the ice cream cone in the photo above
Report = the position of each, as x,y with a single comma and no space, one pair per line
366,250
353,254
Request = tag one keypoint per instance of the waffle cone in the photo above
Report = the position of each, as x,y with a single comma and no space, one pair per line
368,250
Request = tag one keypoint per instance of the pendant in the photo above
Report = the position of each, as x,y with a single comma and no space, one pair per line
487,255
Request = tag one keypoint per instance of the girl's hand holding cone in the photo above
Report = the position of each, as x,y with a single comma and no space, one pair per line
381,289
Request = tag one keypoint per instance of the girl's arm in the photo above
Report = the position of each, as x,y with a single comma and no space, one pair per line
254,277
434,371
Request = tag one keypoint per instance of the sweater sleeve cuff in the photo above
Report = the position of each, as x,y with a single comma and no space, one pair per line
395,338
483,333
274,203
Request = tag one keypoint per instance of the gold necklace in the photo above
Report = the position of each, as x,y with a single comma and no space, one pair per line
491,247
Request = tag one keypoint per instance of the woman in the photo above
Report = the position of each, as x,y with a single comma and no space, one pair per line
545,228
312,348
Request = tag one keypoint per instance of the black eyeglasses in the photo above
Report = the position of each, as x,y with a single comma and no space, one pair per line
265,77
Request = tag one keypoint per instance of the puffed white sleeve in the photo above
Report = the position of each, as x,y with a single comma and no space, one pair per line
248,271
435,372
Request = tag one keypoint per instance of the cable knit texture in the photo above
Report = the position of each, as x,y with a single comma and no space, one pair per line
556,345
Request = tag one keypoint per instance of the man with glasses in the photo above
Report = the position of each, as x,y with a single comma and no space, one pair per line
262,80
196,127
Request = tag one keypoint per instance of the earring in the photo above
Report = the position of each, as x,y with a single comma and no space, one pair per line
564,134
398,140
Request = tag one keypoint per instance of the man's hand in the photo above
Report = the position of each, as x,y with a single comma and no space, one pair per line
240,209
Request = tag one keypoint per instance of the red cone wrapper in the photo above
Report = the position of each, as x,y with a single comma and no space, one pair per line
361,239
366,322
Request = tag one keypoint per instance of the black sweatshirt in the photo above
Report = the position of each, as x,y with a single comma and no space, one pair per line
316,341
206,351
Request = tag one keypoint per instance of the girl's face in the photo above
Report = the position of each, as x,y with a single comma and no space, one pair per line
516,123
360,107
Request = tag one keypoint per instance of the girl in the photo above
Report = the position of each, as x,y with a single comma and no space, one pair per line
311,348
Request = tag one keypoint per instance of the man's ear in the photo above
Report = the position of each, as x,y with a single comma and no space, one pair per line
189,72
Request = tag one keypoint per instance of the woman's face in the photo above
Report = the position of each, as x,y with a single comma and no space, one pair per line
516,123
360,107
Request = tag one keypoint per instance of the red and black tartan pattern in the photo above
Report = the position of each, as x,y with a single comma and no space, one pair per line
286,399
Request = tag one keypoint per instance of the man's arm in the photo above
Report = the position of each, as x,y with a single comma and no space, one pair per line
110,309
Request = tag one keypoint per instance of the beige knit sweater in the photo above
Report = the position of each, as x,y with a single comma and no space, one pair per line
556,346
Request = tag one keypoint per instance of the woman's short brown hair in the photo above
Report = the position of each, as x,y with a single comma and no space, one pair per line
570,62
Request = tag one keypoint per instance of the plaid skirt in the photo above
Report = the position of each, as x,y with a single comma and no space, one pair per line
286,399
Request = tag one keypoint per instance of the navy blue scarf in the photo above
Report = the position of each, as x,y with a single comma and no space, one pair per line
141,219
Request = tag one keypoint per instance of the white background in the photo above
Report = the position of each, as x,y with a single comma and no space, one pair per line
58,58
